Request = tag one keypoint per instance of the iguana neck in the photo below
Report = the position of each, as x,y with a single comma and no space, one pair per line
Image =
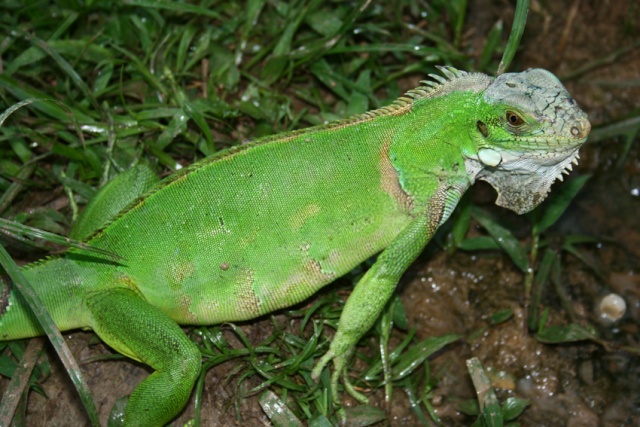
435,147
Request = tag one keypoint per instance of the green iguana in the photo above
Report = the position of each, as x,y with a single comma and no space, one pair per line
265,225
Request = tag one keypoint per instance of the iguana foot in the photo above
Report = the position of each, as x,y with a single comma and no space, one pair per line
339,364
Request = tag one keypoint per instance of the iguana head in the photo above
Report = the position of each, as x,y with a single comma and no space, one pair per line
528,132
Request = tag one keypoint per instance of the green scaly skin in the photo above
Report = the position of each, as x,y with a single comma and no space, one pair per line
264,226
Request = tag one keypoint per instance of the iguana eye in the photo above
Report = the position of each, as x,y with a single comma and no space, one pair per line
514,119
482,128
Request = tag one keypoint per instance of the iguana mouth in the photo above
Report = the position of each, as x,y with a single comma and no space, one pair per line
547,144
549,141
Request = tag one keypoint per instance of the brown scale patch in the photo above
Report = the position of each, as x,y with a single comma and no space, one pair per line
248,238
301,284
332,259
298,219
389,181
184,302
247,300
203,311
129,283
436,207
180,271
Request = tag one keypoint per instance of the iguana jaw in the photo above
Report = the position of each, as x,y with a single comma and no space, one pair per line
523,182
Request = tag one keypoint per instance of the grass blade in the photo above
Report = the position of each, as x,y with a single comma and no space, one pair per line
503,236
487,399
519,22
17,228
558,202
19,381
175,7
43,316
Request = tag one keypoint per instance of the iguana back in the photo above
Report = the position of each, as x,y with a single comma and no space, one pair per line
261,227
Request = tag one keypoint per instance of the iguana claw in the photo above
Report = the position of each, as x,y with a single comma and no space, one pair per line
340,363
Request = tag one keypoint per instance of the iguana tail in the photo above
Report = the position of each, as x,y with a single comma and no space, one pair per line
16,318
57,291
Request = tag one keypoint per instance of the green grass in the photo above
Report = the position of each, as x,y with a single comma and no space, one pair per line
90,89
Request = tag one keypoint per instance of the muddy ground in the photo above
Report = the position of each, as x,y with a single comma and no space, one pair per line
580,384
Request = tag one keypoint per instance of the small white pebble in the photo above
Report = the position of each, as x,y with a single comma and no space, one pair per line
611,308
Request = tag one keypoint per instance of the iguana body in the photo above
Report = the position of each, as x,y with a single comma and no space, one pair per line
264,226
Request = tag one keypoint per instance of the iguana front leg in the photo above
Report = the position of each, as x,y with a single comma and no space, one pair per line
376,287
138,330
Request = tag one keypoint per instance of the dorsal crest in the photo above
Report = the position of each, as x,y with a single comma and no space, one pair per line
453,80
436,81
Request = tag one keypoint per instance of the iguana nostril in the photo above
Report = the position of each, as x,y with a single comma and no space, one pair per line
581,129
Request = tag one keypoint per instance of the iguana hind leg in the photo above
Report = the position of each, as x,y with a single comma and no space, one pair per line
113,197
138,330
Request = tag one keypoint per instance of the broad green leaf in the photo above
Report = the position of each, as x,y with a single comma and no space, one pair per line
34,233
175,7
513,407
418,353
277,411
487,400
462,220
558,334
490,47
41,102
363,416
320,421
501,316
503,236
